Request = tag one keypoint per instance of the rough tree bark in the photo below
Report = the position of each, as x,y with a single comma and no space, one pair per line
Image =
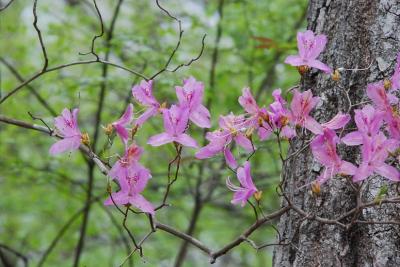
360,32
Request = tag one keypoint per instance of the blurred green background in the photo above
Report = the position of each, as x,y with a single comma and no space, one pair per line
40,194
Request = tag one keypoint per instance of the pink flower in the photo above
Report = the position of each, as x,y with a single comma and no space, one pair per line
301,106
393,124
323,148
396,75
280,116
218,142
143,93
310,46
132,178
381,99
232,129
247,101
191,96
374,152
120,125
67,127
258,116
339,121
368,121
175,123
246,188
383,102
131,186
129,161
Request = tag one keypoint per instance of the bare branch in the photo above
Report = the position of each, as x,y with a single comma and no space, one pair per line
180,35
183,236
86,150
247,233
6,5
33,90
96,36
16,253
46,60
37,75
214,57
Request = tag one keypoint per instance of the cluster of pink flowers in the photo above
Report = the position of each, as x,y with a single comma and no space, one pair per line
131,176
378,130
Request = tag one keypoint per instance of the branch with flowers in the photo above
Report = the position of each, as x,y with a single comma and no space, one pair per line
377,133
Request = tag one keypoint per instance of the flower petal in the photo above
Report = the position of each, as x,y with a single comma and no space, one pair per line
64,145
160,139
388,172
186,140
230,159
141,203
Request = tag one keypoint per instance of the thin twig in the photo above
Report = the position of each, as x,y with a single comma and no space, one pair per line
41,99
178,43
16,253
39,33
6,5
39,74
98,35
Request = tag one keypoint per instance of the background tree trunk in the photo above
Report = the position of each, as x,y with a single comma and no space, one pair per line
359,32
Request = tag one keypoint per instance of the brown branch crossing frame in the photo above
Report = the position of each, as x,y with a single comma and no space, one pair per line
214,254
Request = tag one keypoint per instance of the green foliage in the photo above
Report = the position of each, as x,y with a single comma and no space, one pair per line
39,193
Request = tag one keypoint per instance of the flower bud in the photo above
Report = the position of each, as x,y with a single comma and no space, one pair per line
258,195
316,187
303,69
163,106
249,132
387,84
395,111
336,75
109,190
134,130
108,129
284,121
260,121
85,139
266,117
395,153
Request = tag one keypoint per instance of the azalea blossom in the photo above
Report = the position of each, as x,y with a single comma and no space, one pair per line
310,47
121,124
218,142
143,93
175,123
258,116
301,106
323,148
132,178
233,128
247,101
127,163
280,116
246,188
374,152
368,121
380,97
395,80
67,127
131,186
383,101
191,96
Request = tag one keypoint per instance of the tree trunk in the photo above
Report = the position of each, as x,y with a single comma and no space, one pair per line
360,33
